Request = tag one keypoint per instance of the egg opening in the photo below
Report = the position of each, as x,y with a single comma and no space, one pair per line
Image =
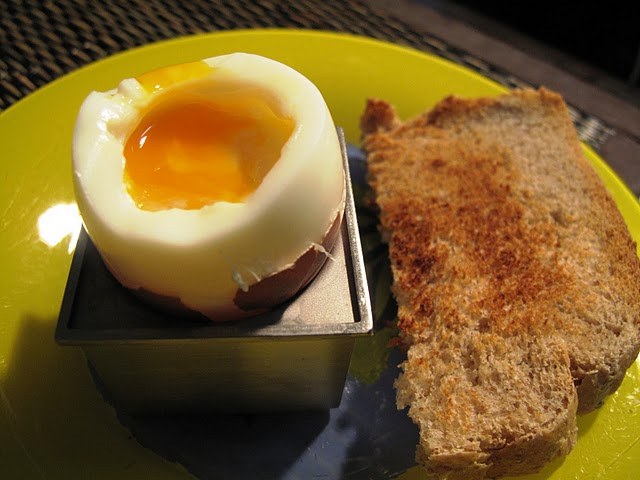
199,144
210,185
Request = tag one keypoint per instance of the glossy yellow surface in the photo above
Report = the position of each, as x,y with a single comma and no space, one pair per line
53,422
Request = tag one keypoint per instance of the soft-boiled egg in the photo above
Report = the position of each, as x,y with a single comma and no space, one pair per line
215,186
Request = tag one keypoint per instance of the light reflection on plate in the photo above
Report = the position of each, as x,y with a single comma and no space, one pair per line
59,222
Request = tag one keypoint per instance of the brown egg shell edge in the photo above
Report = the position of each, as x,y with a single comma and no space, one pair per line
279,287
263,295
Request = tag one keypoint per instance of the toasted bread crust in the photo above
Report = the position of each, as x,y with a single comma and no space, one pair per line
500,231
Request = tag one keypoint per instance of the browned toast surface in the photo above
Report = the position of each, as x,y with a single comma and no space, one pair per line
518,285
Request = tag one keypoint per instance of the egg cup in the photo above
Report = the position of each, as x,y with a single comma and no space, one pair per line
295,356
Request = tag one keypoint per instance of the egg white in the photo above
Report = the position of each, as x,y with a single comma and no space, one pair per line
203,256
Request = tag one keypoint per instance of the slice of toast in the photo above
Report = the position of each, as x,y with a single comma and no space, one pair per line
517,282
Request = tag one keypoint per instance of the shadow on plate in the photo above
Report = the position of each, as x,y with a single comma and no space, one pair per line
54,421
366,437
65,426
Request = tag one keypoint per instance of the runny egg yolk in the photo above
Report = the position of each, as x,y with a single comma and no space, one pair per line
198,143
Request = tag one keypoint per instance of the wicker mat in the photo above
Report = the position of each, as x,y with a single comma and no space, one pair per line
42,40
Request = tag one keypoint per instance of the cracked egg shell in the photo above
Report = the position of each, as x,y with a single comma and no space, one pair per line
214,186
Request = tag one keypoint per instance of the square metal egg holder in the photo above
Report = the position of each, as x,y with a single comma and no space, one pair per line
293,357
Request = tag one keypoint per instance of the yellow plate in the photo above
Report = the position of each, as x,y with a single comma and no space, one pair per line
53,422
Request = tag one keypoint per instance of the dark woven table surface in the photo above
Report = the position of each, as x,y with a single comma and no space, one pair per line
43,40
